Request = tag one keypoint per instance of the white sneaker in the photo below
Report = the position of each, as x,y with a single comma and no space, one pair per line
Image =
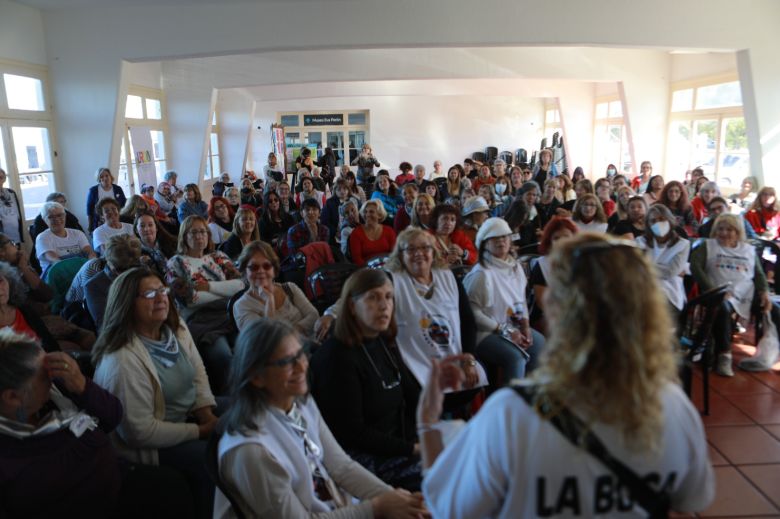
723,365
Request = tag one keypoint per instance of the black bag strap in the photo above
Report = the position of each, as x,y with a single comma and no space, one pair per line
655,503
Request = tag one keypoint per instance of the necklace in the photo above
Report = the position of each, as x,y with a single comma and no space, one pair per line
385,385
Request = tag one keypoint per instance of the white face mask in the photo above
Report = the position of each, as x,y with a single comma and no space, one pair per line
660,229
500,188
611,172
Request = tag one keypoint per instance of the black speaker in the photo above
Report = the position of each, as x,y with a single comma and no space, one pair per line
521,156
491,152
478,156
543,144
507,157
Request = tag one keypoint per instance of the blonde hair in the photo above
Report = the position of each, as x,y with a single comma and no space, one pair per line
243,211
612,369
731,220
380,208
421,196
576,214
395,263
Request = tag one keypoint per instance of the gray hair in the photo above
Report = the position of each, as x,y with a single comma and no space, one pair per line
47,207
17,359
122,252
710,186
255,346
52,197
17,290
169,175
418,167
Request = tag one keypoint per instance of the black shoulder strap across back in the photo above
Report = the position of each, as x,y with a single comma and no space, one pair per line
655,503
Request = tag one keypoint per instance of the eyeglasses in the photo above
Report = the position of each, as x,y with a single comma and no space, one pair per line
287,362
412,250
199,232
254,267
152,293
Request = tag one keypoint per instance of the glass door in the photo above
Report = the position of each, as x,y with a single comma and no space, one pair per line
31,164
336,142
356,140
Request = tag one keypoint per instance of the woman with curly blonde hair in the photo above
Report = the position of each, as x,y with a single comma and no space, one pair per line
619,376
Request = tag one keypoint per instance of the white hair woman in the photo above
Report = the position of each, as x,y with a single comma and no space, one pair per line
620,379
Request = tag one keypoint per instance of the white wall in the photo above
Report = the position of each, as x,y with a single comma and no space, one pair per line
147,75
421,129
21,33
699,65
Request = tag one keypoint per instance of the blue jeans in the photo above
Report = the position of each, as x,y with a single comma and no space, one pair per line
495,351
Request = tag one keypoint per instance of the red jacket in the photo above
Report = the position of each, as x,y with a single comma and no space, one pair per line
765,222
459,238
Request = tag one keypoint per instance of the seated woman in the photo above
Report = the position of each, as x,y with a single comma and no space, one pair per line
308,192
109,210
349,220
475,211
274,221
58,242
364,390
764,215
122,253
147,358
267,299
450,241
603,189
634,225
548,204
668,251
249,195
193,204
330,212
557,229
166,199
619,379
202,280
403,218
728,259
372,238
157,246
623,194
220,219
675,197
707,191
748,192
148,192
496,287
16,315
387,193
309,230
277,457
588,214
244,232
354,188
488,192
654,188
105,188
233,196
134,205
51,466
453,188
422,210
717,206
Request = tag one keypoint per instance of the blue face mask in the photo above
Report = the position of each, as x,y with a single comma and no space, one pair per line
500,189
611,172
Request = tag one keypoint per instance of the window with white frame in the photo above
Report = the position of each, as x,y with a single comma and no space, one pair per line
144,109
707,130
344,131
552,120
213,167
610,142
27,152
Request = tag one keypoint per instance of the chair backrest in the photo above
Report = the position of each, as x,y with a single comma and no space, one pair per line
698,316
460,271
526,260
326,282
212,466
59,276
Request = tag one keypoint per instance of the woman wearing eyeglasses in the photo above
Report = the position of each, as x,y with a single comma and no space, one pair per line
265,298
619,379
278,458
365,392
146,357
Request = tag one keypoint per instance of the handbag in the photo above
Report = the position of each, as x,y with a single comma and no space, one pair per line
766,349
656,504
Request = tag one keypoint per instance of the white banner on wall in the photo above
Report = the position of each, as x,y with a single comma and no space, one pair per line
141,139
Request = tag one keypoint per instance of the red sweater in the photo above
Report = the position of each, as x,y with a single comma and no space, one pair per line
459,238
765,222
699,210
362,249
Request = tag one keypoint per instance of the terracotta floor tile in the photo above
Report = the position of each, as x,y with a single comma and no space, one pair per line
766,478
723,412
716,457
763,408
745,444
742,383
769,378
774,430
737,497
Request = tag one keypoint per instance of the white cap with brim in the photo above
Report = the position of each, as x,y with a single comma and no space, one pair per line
475,204
492,228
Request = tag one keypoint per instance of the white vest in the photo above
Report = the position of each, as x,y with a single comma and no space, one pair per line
428,328
507,287
673,288
734,267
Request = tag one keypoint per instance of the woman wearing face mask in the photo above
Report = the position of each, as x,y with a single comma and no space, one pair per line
675,197
244,232
634,225
611,171
707,191
668,252
502,188
588,214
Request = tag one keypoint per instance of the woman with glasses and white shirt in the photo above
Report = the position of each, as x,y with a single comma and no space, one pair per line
109,209
277,457
267,299
147,358
365,392
58,242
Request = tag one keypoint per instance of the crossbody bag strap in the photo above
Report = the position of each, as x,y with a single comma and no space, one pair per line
655,503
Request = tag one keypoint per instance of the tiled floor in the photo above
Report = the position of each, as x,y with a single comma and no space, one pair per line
743,431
